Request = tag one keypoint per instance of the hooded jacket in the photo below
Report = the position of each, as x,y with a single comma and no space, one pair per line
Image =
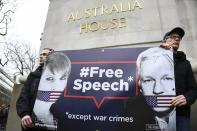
184,82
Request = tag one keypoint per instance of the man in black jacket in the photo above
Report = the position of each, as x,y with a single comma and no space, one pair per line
26,100
186,88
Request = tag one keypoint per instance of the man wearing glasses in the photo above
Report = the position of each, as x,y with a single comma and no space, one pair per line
186,88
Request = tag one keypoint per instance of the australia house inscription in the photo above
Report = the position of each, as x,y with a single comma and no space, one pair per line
103,10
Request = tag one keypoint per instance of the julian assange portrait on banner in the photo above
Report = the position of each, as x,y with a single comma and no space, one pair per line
152,109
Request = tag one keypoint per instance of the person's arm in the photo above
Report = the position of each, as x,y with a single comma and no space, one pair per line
189,97
23,106
23,102
191,93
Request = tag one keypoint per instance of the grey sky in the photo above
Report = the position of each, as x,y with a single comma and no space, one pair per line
28,22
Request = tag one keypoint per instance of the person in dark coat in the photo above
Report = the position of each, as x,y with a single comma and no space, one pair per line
186,88
3,116
26,100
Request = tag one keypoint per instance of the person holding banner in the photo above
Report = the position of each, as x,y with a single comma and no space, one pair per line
155,70
25,102
186,88
56,70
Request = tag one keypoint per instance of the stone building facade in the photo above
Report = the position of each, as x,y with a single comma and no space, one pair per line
87,24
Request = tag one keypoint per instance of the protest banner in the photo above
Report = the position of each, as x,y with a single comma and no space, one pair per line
105,91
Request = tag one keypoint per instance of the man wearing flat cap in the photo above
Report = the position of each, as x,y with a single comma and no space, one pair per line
186,88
